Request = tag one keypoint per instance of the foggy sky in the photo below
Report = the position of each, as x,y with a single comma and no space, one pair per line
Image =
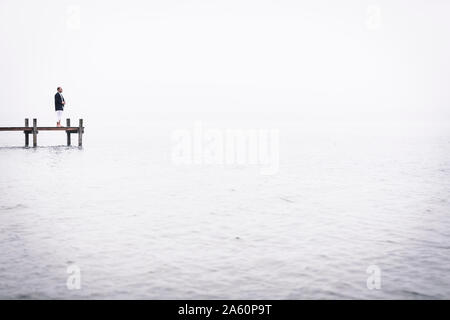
324,58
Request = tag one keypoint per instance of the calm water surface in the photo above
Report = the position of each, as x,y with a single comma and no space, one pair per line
138,226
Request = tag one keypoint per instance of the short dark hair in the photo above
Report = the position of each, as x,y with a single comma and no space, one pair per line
58,88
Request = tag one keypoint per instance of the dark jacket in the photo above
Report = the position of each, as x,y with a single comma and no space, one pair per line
58,102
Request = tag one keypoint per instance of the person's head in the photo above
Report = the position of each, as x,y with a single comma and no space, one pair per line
59,89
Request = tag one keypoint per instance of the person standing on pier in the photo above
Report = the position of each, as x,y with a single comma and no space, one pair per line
59,105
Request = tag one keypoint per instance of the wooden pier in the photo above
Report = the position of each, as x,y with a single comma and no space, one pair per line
34,130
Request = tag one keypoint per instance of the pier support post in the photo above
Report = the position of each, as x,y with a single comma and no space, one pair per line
68,133
80,133
35,132
27,134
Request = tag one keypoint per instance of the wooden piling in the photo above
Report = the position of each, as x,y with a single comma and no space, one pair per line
80,133
68,133
33,129
35,132
27,134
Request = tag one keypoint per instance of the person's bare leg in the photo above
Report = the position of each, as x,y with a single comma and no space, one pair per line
58,124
